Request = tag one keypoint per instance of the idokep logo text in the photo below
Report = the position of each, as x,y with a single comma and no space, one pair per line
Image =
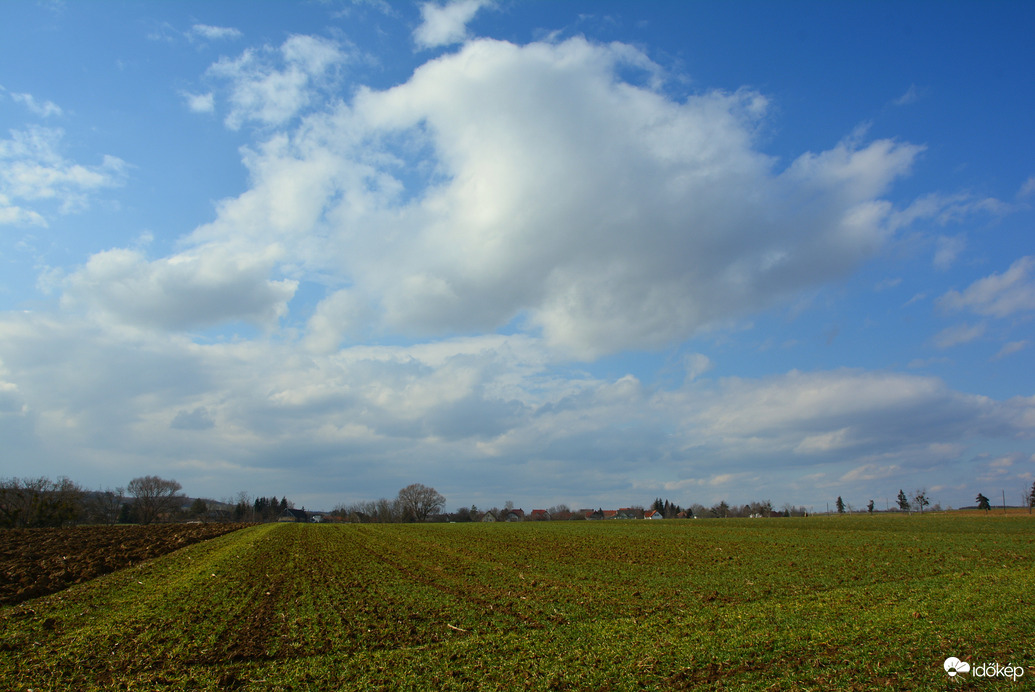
954,667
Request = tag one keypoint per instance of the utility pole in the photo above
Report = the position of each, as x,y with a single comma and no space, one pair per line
1004,501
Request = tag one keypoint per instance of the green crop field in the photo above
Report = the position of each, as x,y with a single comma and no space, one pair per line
827,603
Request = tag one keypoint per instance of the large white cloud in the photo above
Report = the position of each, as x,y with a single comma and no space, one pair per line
533,182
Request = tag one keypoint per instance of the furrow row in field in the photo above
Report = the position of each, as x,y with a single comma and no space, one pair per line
467,577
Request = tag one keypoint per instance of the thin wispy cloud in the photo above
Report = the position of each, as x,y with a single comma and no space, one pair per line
958,334
215,33
1010,348
999,294
41,108
36,179
911,95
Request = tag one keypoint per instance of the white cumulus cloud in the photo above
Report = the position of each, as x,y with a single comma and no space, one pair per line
271,85
847,412
530,182
200,288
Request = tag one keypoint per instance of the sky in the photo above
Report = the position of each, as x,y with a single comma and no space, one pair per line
589,253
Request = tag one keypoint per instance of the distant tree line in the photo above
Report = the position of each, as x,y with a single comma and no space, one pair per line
41,502
387,510
758,508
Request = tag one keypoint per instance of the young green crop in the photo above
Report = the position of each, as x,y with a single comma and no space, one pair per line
875,602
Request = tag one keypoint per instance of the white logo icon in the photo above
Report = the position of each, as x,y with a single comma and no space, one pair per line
953,666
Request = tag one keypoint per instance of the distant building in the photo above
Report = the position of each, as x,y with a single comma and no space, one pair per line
513,515
291,514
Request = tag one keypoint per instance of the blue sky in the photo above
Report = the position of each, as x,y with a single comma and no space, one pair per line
586,253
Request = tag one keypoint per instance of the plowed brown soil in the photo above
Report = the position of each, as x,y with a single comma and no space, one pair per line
37,562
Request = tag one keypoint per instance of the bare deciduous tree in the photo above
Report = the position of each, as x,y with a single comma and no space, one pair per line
417,501
387,511
920,499
154,497
107,504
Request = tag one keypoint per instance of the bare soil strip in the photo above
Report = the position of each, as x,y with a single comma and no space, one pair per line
37,562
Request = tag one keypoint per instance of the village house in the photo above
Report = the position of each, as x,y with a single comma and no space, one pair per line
513,515
292,514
